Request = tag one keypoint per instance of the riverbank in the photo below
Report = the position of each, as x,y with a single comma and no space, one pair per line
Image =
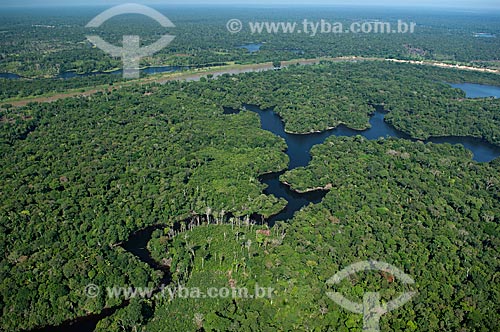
325,188
446,65
197,74
296,199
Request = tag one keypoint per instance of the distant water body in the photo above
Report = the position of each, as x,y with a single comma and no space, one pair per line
72,74
478,90
252,48
9,76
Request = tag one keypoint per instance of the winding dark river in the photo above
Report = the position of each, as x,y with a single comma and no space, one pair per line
299,147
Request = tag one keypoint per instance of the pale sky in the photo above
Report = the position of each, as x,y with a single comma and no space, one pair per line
396,3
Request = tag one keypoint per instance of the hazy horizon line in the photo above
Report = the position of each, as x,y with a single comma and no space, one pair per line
259,5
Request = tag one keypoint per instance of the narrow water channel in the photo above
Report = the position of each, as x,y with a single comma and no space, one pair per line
299,147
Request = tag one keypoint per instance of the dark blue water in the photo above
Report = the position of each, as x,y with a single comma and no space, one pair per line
72,74
299,147
252,48
482,151
478,90
9,76
295,200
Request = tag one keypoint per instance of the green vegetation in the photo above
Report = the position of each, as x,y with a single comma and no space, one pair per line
431,116
219,256
79,175
38,43
29,88
318,97
425,208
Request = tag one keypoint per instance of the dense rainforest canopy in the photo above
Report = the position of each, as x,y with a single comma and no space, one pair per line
316,98
79,175
42,43
426,208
